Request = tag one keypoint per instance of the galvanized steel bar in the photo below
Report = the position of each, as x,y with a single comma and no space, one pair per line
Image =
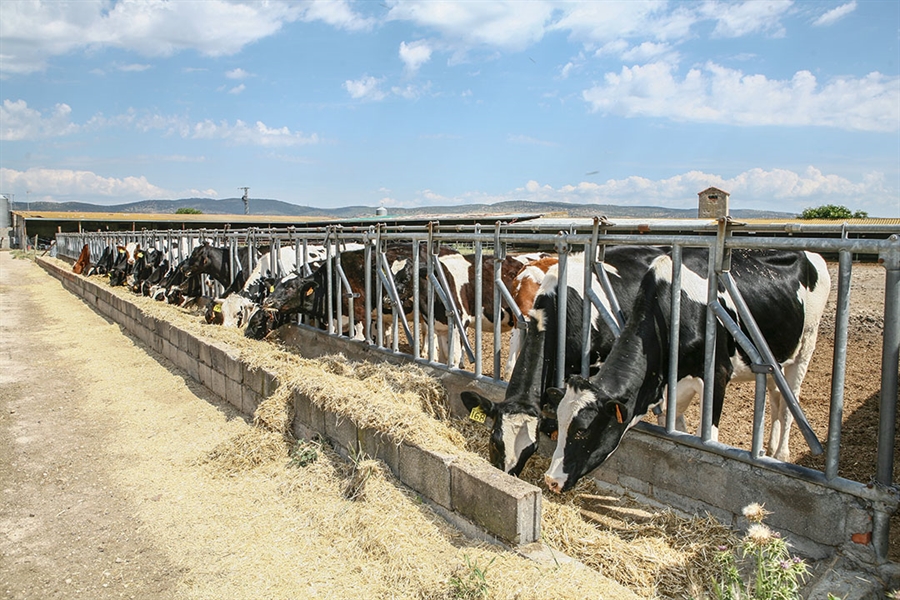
674,338
499,289
890,362
590,254
416,308
562,294
479,316
709,349
838,365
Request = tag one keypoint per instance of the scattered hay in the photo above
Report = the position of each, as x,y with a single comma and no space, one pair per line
276,413
383,529
246,451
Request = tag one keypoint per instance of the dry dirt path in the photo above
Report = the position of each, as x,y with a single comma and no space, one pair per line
103,493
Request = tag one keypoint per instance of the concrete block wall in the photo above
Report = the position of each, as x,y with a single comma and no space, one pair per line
819,519
475,493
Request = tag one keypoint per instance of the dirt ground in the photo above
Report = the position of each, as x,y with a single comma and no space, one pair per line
108,489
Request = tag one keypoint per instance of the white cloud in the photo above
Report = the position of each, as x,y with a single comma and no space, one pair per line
34,32
715,94
508,25
237,74
646,51
835,14
258,134
415,54
19,122
530,141
365,88
237,89
745,18
133,68
64,184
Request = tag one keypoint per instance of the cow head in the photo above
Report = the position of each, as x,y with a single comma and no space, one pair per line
514,432
198,261
213,314
295,294
591,425
260,323
516,421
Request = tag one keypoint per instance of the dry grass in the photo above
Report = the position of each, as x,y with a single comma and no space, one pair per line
385,531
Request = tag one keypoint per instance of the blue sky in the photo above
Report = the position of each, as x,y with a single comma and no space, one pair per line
784,104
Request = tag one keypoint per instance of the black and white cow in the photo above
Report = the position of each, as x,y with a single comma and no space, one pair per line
145,263
516,420
123,263
216,262
308,295
104,263
786,293
235,309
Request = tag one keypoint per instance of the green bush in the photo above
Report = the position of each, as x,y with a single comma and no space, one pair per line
188,211
832,211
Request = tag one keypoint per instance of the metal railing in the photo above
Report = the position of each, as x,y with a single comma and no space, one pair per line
415,332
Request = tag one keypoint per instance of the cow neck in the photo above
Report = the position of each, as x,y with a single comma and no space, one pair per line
527,379
634,373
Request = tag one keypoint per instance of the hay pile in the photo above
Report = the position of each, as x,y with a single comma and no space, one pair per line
384,529
656,554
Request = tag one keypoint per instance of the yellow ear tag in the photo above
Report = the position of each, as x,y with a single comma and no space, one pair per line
310,291
477,415
121,250
619,415
218,308
140,255
271,289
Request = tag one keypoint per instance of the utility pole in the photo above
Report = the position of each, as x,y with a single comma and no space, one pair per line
246,200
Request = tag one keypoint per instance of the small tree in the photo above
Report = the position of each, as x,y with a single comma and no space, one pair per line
832,211
188,211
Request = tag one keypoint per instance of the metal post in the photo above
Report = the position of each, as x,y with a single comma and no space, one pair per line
562,297
839,365
674,338
479,288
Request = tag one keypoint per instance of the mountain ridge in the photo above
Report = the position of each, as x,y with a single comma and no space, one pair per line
270,207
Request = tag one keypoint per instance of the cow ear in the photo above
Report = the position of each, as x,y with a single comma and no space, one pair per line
554,395
474,402
617,411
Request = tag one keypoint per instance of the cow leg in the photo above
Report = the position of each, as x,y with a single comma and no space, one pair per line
685,391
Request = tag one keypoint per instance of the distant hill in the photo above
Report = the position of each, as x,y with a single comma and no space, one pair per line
261,206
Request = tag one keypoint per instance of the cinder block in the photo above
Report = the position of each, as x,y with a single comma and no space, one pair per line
216,357
191,345
233,393
381,446
205,374
270,383
504,505
427,472
342,432
190,365
217,383
253,379
233,368
307,413
204,352
249,401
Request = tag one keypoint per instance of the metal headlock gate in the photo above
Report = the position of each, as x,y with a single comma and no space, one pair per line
877,243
